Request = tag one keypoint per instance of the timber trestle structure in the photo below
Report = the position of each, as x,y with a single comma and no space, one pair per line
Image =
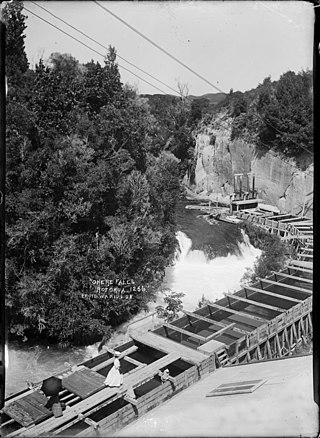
264,320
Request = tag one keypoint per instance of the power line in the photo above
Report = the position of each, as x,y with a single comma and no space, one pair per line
158,47
90,48
101,45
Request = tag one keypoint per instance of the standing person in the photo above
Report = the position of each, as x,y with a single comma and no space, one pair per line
114,377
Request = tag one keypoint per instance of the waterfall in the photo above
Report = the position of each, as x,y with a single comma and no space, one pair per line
192,274
195,275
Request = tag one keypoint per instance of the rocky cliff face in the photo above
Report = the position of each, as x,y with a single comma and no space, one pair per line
278,180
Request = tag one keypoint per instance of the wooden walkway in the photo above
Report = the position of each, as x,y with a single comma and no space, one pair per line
263,320
167,345
89,405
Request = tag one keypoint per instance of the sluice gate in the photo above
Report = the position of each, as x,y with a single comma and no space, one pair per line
264,320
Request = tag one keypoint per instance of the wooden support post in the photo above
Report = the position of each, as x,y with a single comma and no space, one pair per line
92,423
285,331
269,349
306,324
130,400
259,356
299,330
295,335
278,345
310,323
237,352
302,326
248,357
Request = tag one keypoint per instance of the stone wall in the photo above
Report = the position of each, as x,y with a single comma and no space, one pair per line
278,180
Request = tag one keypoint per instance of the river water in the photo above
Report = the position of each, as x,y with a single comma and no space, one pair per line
212,260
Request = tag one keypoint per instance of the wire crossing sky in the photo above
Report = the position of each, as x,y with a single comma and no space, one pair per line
99,44
231,44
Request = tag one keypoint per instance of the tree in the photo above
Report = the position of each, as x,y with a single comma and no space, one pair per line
16,58
273,257
88,199
173,306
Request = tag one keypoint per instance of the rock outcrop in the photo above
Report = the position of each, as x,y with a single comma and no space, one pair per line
278,180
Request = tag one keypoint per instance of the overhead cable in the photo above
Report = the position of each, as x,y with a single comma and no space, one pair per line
103,46
159,47
90,48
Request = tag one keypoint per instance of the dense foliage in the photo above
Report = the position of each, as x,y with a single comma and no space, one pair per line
274,253
276,115
173,305
90,195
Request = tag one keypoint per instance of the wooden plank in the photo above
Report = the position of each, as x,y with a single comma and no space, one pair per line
289,286
256,303
296,268
230,332
307,256
291,220
221,331
110,361
237,312
210,321
293,277
245,328
134,361
184,332
280,216
100,399
167,345
84,382
29,409
245,320
303,223
272,294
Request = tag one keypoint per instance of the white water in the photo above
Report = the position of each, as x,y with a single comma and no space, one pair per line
195,275
192,274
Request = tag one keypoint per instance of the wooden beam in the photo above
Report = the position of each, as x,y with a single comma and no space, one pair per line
107,362
92,423
134,361
211,321
279,216
131,400
272,294
304,223
219,332
300,289
256,303
302,279
238,312
296,268
184,332
308,256
292,219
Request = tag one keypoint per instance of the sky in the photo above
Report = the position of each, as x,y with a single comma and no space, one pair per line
231,44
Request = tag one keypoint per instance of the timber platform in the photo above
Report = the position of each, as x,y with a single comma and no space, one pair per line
265,320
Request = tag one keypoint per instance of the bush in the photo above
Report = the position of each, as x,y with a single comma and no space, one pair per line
274,253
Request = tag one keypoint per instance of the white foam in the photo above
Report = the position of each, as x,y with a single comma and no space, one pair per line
195,275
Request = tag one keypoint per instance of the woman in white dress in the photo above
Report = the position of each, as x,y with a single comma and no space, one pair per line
114,377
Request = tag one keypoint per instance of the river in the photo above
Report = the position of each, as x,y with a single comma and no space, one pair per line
212,260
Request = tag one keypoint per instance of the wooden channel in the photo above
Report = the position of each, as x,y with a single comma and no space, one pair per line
238,312
256,303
